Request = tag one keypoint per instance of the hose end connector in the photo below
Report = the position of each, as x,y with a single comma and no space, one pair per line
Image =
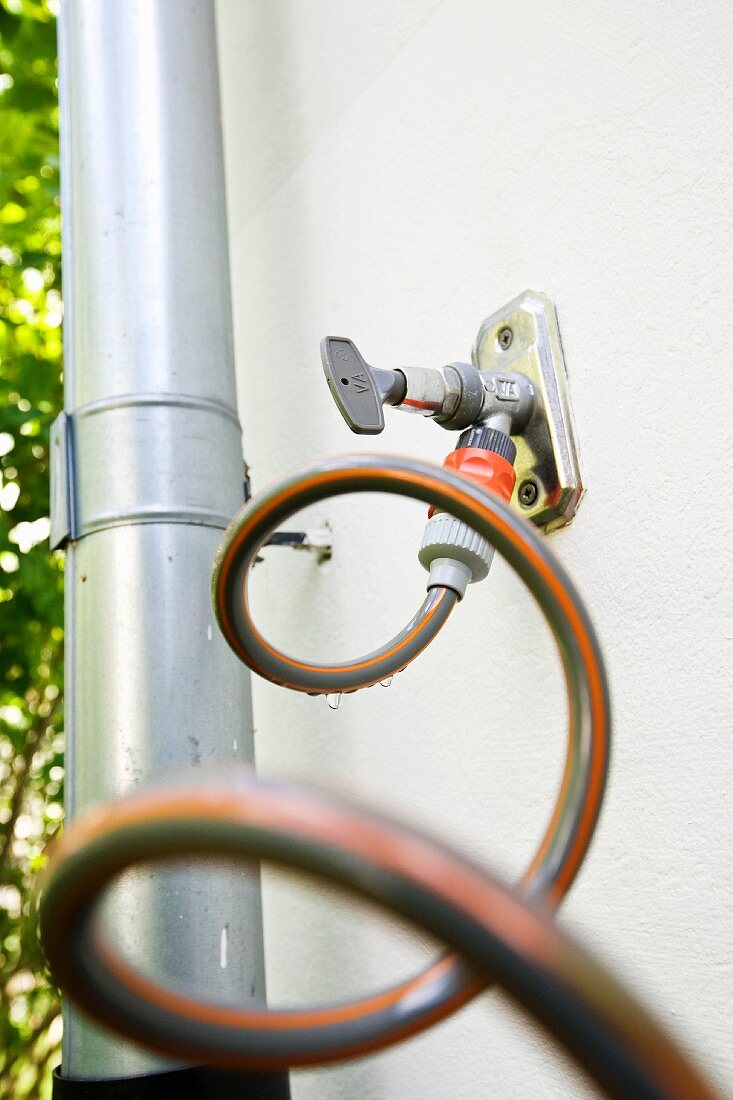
453,554
451,551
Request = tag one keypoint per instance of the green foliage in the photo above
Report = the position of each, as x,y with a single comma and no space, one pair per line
31,575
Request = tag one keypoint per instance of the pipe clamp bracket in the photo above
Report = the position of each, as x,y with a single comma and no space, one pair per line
144,458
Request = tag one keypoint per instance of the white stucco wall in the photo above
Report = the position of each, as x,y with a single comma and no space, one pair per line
396,172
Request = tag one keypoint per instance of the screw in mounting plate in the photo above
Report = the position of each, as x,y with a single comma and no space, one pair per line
504,338
528,493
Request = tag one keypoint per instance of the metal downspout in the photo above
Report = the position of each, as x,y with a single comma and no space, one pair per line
151,687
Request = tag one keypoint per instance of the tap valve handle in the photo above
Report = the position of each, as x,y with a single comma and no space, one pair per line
354,385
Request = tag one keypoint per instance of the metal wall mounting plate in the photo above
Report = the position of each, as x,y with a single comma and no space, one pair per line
524,337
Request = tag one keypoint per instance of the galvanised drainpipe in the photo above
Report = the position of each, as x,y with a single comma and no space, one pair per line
154,467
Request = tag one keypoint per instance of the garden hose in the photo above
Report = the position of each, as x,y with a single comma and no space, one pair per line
498,935
443,489
241,816
324,1033
232,611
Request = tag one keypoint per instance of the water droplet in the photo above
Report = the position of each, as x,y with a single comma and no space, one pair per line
334,700
387,682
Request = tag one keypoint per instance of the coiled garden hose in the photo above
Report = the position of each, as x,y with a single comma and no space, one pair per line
498,935
390,474
506,939
238,552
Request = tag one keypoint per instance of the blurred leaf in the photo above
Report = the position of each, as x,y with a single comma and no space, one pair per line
31,575
9,25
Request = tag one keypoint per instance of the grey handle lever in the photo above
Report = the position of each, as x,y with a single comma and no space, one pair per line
353,385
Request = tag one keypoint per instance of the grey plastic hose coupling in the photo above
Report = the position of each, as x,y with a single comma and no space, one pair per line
453,554
451,551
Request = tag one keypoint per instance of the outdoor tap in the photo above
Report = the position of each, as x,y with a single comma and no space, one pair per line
456,396
487,407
